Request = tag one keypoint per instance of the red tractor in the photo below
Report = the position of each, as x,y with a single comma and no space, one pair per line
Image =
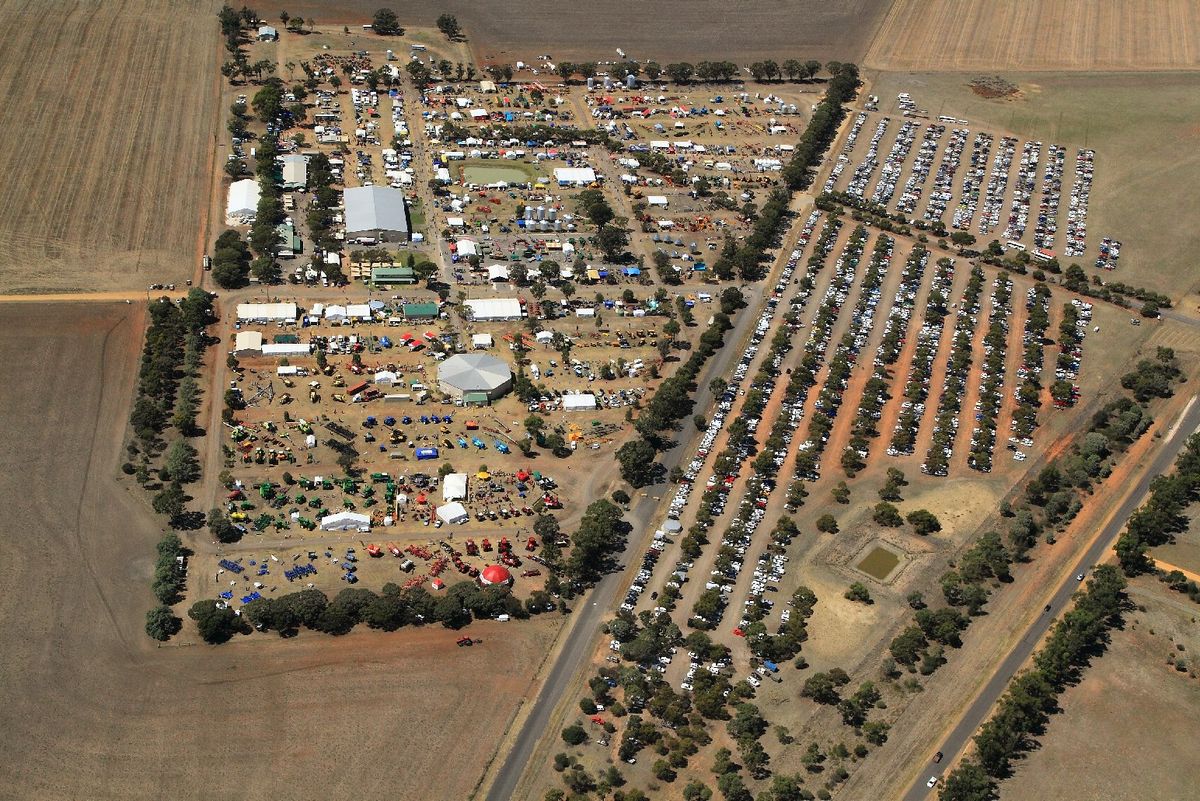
531,544
472,548
486,545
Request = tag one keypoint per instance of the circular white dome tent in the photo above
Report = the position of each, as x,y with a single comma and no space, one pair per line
471,373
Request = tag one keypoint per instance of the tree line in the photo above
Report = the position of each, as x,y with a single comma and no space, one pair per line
264,233
1163,514
161,622
822,128
673,401
392,608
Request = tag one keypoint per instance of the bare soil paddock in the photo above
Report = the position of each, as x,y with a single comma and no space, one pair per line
90,708
1037,35
669,30
1132,708
106,146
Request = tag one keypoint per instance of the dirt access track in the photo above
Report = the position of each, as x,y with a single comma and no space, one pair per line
987,35
108,141
90,708
669,30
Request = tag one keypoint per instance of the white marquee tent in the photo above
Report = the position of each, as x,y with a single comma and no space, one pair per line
346,521
452,513
454,487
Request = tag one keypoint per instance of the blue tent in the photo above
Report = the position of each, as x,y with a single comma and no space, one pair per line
633,271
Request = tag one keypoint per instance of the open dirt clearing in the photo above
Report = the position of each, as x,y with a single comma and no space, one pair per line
675,30
107,143
91,709
1131,708
1041,35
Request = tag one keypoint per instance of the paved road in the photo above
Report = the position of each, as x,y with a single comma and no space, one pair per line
600,601
977,713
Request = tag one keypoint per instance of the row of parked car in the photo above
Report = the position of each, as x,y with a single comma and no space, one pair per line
846,353
1026,183
913,187
981,148
943,180
864,171
929,338
993,202
954,384
843,158
1077,315
836,295
875,393
1047,221
710,607
649,560
991,378
1081,191
889,175
1029,375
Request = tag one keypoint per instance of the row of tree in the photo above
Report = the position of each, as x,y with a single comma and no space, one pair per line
167,393
596,542
672,401
746,260
1056,492
264,233
1031,698
231,261
169,579
390,609
822,128
1162,515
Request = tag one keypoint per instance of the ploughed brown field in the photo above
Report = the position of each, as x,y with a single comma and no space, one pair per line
1037,35
107,143
91,708
667,30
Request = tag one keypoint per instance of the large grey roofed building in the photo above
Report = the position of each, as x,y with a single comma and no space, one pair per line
376,211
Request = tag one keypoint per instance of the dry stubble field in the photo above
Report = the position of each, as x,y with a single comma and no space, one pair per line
1037,35
90,708
667,30
109,110
1127,731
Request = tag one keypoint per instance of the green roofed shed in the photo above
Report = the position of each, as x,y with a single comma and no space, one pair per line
421,311
393,275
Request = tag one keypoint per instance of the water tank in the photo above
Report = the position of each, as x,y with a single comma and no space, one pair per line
529,212
591,83
551,213
631,81
541,212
